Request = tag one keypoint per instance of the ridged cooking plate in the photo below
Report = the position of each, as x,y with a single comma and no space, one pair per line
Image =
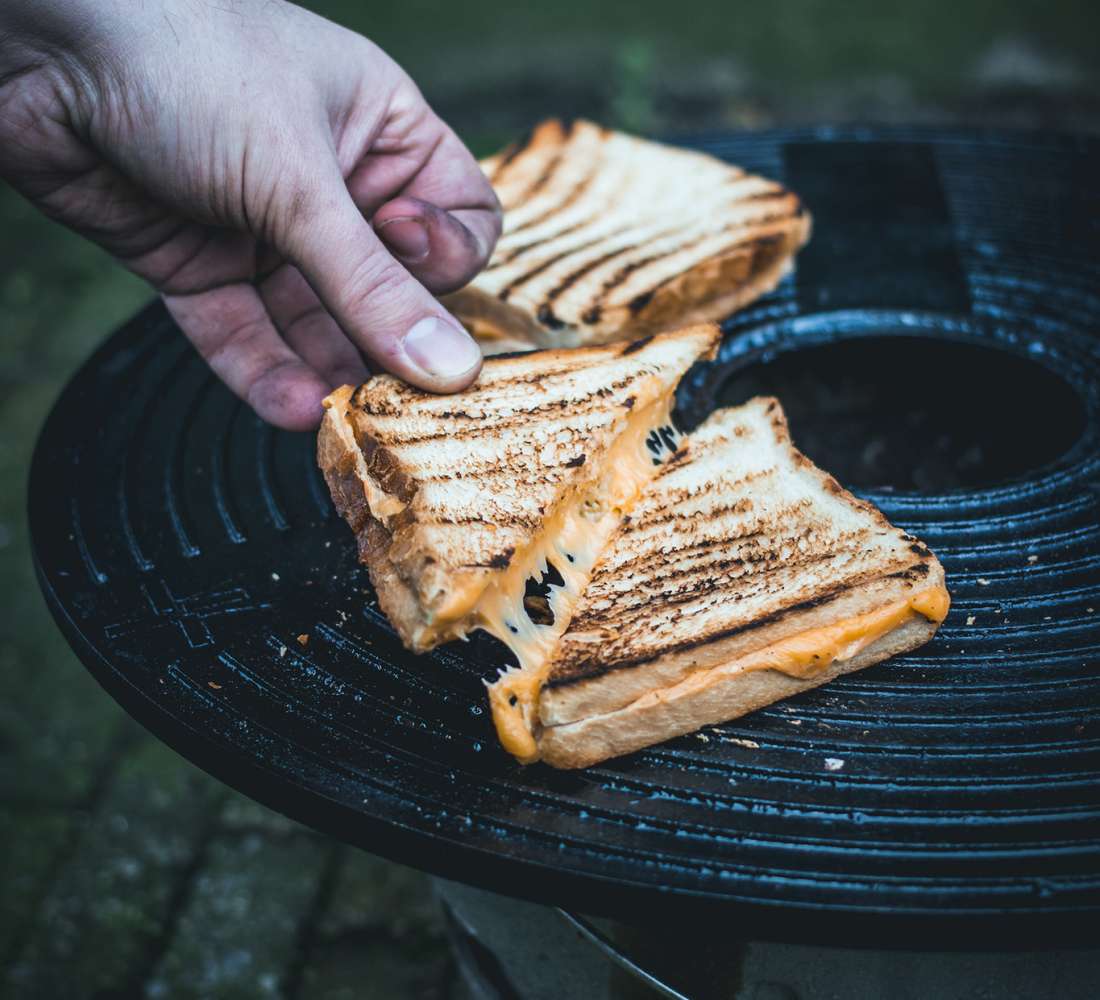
938,350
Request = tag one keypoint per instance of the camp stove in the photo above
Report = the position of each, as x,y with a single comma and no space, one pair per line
938,350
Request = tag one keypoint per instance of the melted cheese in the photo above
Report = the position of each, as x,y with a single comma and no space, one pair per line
573,540
810,653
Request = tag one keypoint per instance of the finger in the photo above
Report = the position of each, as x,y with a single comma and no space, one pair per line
232,331
385,312
429,162
444,250
308,328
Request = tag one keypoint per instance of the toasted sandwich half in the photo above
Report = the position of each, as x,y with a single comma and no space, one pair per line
487,509
609,237
743,575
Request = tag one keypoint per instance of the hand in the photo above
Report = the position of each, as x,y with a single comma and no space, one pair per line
231,153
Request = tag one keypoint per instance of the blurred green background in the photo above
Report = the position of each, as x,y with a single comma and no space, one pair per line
125,871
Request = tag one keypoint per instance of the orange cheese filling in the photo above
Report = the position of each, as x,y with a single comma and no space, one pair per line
572,542
578,528
802,656
810,653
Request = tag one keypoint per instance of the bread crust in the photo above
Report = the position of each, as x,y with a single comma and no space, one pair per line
596,738
564,703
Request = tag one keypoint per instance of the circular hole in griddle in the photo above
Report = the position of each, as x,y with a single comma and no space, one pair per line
918,415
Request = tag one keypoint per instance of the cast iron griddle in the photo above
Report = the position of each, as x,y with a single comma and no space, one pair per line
938,349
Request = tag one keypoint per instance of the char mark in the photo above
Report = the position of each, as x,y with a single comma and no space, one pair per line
588,670
511,153
755,245
543,179
502,559
507,258
915,572
636,345
547,318
545,265
574,276
575,193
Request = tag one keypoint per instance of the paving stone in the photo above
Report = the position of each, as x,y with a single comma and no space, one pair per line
57,724
380,935
239,933
112,898
371,893
359,967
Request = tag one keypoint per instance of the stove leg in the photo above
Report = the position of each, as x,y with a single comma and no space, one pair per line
512,950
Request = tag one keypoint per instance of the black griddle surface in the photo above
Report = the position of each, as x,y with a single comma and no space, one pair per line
950,796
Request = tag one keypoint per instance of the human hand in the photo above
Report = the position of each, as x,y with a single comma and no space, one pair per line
231,154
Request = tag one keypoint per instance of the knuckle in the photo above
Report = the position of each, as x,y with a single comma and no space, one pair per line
235,348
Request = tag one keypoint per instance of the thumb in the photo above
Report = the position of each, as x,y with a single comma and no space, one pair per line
381,308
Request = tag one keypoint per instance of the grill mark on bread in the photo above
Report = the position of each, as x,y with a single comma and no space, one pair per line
753,245
593,310
574,408
654,591
644,522
499,521
546,175
624,272
760,576
646,515
511,154
571,198
507,256
575,275
669,602
544,178
571,673
403,396
544,265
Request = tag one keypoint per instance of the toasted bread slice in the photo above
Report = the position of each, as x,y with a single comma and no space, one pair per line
458,501
744,574
609,237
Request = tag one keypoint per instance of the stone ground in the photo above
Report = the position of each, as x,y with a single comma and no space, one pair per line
126,872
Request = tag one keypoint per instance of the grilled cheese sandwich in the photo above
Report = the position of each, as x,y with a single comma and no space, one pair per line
744,574
610,237
648,583
532,470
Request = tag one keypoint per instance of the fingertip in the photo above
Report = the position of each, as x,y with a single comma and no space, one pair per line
444,358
